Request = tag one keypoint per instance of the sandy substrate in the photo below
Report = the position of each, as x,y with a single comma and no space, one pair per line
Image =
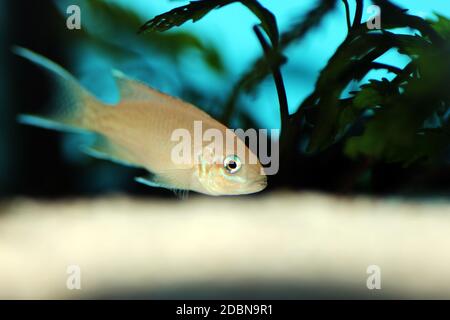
274,246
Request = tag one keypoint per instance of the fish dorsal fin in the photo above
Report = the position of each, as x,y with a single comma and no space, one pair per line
134,90
130,89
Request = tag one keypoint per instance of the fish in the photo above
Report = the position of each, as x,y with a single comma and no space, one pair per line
138,132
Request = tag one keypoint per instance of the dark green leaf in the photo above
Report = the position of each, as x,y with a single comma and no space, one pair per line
308,22
442,26
196,10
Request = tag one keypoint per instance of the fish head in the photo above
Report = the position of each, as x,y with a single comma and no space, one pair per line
236,171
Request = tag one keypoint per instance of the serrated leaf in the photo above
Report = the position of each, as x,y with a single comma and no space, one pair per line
308,22
395,17
442,26
118,27
196,10
367,98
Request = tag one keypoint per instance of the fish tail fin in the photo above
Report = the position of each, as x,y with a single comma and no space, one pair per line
71,107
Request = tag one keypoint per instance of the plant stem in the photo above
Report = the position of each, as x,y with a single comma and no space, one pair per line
278,78
358,13
347,14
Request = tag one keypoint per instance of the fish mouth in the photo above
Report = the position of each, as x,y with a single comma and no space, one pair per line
251,188
262,185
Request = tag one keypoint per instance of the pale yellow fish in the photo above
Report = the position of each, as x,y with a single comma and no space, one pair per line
138,131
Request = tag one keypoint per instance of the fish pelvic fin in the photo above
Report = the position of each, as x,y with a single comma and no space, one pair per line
71,106
154,181
181,194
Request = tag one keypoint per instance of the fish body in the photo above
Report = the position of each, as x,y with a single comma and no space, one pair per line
138,131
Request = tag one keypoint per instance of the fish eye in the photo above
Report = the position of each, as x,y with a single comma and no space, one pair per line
232,164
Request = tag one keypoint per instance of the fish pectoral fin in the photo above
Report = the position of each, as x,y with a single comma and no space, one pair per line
104,149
